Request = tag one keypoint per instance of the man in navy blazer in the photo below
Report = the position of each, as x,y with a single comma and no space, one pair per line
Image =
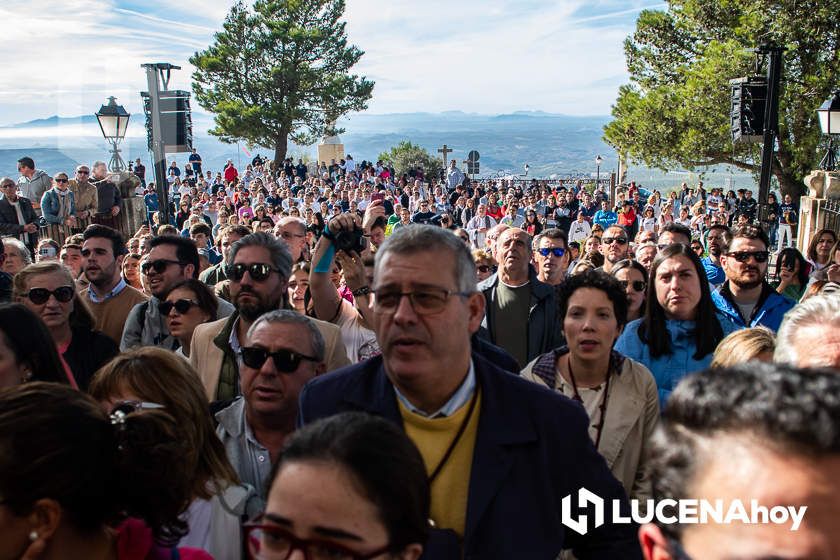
530,448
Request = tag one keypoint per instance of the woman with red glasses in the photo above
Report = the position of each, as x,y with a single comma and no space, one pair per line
350,487
48,290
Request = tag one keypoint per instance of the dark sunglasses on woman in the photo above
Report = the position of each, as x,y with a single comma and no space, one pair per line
182,306
39,296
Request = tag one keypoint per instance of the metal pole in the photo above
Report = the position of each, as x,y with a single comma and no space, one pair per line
158,149
771,118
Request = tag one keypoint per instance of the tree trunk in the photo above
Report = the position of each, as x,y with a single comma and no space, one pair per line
281,145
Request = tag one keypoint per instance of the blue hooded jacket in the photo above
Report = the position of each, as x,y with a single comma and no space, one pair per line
768,312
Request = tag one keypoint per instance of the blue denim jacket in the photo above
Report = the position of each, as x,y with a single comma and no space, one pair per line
669,369
51,206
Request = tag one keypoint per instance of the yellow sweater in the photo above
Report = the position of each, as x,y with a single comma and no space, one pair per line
451,487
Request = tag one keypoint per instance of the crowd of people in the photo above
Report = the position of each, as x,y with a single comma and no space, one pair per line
337,361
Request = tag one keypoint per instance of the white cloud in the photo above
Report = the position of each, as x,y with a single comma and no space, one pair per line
479,55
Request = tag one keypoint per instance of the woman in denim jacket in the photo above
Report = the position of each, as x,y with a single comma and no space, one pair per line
57,204
681,327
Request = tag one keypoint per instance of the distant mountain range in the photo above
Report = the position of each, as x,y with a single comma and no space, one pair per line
551,144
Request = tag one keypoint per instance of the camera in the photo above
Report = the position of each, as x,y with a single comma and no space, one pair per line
348,241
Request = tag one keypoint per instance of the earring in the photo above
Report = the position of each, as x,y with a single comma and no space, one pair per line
33,536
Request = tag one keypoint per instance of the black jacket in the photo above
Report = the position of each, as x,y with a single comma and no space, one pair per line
9,221
88,351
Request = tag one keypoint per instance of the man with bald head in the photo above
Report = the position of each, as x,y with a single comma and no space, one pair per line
521,312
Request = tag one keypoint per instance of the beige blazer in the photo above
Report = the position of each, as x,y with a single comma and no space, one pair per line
632,415
207,358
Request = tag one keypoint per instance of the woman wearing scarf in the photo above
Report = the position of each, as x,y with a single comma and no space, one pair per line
57,204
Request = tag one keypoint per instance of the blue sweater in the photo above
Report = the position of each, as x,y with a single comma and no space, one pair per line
668,369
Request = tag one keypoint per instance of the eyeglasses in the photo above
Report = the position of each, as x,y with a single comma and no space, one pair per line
60,180
259,271
744,256
182,306
609,240
273,542
284,360
158,265
483,268
637,285
40,296
83,172
696,247
424,302
556,251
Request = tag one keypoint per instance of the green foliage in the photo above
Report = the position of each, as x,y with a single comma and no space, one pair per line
280,71
405,156
675,111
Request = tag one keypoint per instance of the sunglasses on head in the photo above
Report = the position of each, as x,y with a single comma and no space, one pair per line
182,306
158,265
609,240
637,285
39,296
258,271
284,360
556,251
744,256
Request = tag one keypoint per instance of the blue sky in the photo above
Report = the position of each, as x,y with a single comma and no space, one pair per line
485,56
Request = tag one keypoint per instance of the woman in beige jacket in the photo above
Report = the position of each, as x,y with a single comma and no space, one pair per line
618,393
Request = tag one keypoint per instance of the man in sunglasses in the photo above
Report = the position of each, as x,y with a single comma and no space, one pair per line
551,256
171,260
33,183
746,297
493,443
85,195
17,216
280,353
108,296
259,265
615,246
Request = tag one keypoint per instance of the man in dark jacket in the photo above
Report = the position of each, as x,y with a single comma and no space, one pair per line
502,452
17,217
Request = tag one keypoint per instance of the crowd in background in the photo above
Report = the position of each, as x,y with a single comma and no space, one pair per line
213,383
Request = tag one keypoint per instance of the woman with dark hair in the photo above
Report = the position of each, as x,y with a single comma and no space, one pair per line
188,304
532,225
131,270
217,500
792,272
47,289
633,278
348,486
618,393
27,352
77,483
681,327
819,250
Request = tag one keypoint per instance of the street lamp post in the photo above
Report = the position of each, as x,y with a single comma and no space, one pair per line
113,120
829,114
598,162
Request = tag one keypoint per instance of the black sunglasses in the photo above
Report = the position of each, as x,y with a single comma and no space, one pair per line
556,251
159,265
259,271
182,306
284,360
483,268
744,256
637,285
39,296
619,240
60,180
